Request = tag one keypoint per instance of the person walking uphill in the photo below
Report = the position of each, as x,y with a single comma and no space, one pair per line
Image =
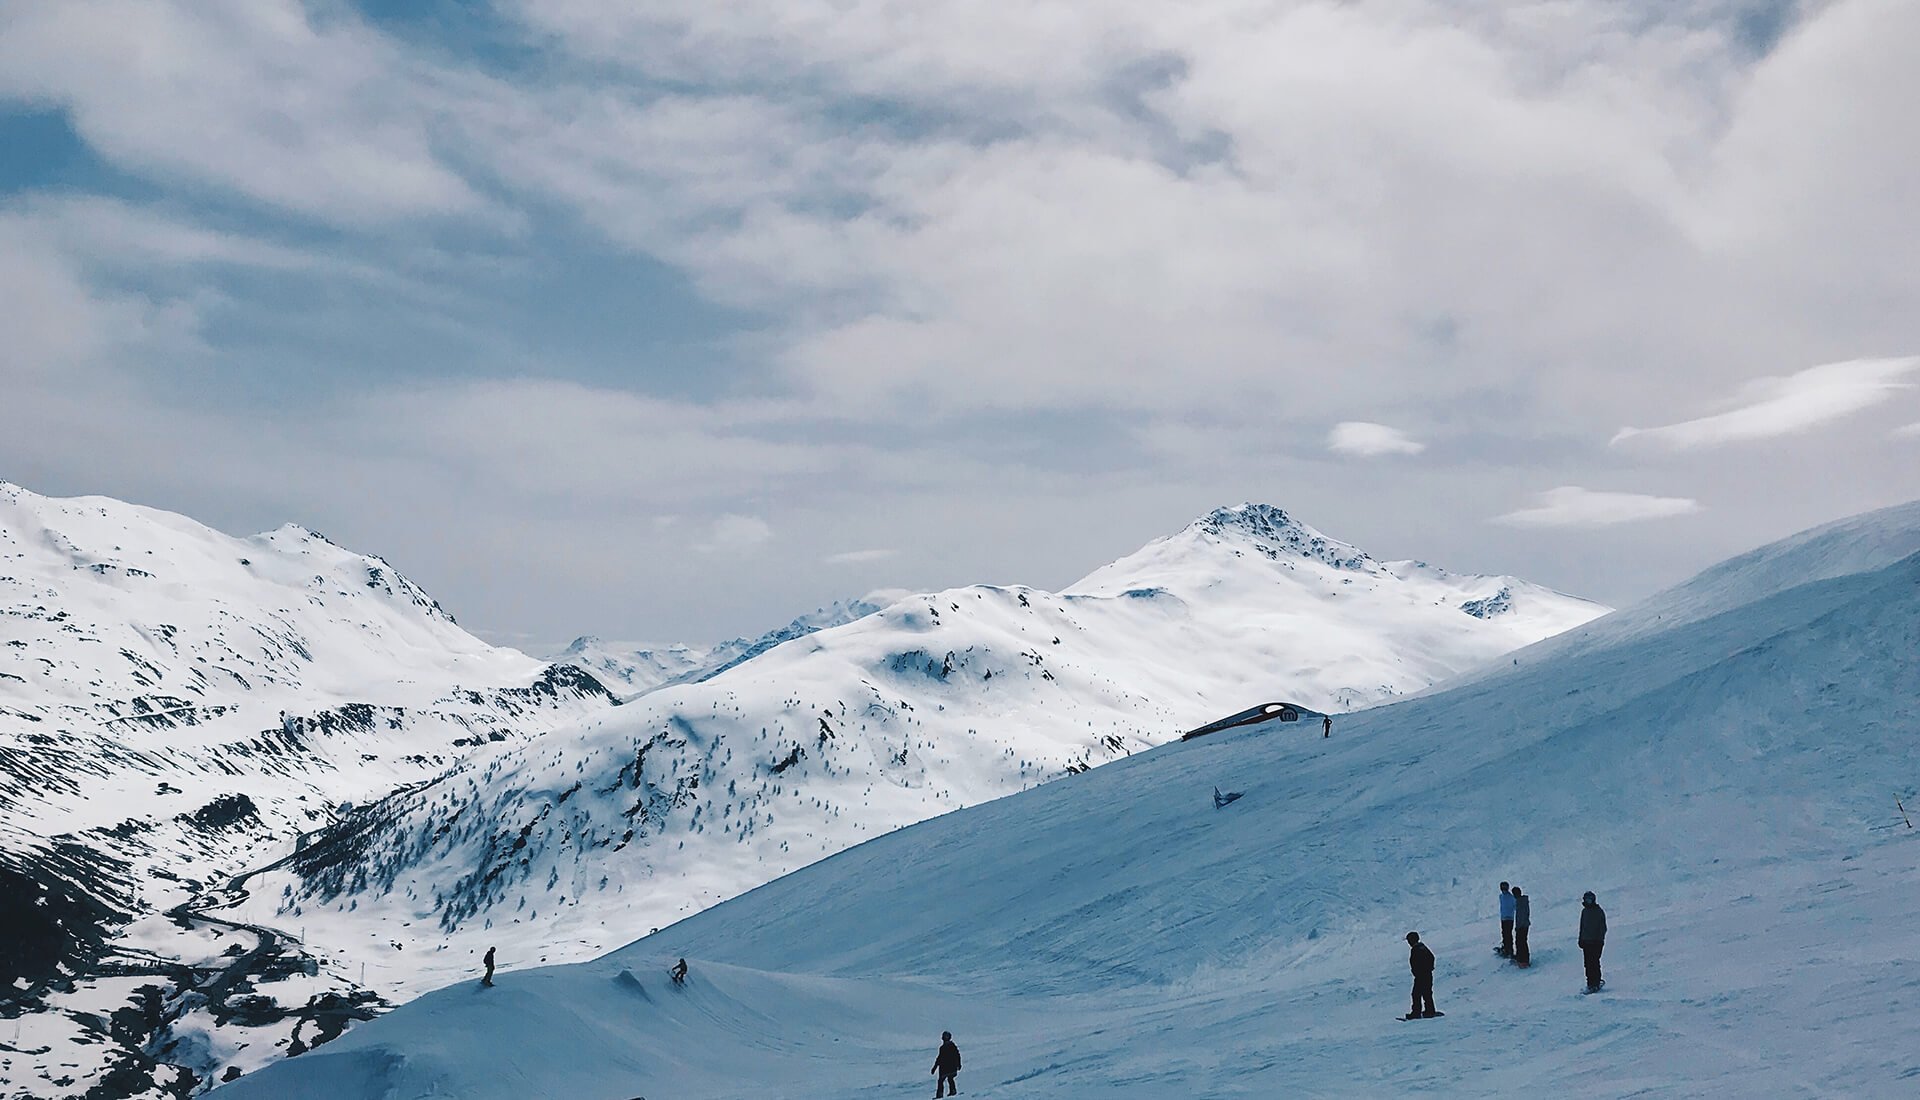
946,1066
1522,921
1505,950
1593,937
1420,959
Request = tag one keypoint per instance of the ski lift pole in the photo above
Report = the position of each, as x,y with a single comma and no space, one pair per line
1903,811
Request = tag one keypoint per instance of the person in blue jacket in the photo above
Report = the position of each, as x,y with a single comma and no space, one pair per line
1506,922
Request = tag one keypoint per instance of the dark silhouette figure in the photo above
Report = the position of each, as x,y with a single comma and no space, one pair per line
1593,937
1506,921
1420,959
488,980
1326,726
1522,921
679,972
946,1067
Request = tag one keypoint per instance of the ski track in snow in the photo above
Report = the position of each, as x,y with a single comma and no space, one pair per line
1718,764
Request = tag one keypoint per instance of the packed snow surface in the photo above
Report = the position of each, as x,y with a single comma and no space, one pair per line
1719,765
561,848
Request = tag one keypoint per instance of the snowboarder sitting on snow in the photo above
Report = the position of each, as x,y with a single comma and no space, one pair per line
946,1067
488,980
1593,936
679,972
1522,921
1420,959
1506,922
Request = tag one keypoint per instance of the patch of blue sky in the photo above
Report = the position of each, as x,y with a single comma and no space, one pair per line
40,151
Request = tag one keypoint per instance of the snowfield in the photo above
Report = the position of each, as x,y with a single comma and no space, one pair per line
564,847
1719,764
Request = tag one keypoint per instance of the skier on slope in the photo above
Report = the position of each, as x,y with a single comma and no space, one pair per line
1420,960
679,972
946,1067
1507,907
1593,936
1522,921
488,979
1326,726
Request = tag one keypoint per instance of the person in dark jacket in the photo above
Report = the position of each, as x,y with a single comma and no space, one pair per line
488,979
679,972
1420,960
1593,936
946,1067
1326,726
1506,922
1522,920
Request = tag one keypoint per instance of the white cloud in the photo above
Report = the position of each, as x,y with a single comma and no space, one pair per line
1358,437
858,557
1785,406
321,116
1573,506
1911,431
735,534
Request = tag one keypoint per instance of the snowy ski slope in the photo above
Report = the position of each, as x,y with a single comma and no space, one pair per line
570,845
1719,764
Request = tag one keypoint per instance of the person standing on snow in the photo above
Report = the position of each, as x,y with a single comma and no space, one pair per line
1420,960
1326,726
946,1067
488,980
1593,936
1522,920
1506,922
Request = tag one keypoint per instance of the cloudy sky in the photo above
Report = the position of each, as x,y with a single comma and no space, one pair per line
671,318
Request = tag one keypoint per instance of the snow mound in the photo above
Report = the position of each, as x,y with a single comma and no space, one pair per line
1718,764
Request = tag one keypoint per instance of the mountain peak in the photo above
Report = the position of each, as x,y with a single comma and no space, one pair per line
1274,532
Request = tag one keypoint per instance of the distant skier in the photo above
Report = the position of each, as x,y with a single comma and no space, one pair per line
1326,726
679,972
1506,922
488,980
1593,937
1220,800
1420,959
1522,920
946,1067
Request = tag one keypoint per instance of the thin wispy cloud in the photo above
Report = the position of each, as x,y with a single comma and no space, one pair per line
1367,440
1796,403
1573,506
858,557
735,534
1911,431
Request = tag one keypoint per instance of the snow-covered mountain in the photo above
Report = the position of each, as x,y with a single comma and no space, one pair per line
637,669
1719,764
692,794
176,703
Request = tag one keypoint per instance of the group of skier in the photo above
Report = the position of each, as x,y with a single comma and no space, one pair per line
1516,919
